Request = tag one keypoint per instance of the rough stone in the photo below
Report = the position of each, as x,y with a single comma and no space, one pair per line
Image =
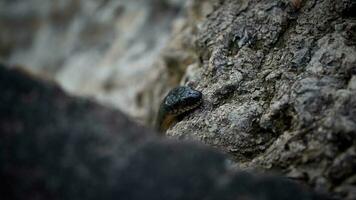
277,79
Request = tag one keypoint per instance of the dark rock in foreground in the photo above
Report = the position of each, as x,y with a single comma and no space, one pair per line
53,146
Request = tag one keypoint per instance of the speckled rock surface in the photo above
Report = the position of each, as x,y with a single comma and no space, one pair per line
278,80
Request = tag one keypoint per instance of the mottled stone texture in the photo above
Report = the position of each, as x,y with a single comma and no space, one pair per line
53,146
279,86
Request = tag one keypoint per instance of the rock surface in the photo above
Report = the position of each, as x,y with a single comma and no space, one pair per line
278,80
278,77
53,146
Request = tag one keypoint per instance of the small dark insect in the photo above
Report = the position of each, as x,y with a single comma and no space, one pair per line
178,101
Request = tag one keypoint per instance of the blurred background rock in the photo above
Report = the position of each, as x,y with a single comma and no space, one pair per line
106,49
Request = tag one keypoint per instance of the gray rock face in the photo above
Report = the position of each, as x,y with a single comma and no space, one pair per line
278,80
53,146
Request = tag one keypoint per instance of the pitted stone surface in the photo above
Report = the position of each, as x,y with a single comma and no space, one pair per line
278,83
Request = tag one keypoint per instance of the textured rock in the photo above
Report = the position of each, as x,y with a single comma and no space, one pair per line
277,79
53,146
